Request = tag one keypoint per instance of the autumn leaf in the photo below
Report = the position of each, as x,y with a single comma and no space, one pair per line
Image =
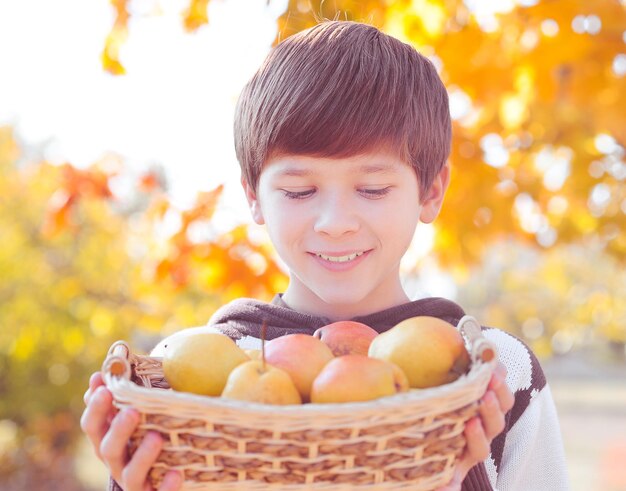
116,38
196,15
57,218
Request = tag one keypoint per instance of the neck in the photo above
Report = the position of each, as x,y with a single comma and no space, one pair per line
307,302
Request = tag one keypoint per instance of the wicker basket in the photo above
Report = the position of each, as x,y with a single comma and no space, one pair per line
406,441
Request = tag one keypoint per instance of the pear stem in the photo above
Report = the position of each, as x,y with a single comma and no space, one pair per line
263,334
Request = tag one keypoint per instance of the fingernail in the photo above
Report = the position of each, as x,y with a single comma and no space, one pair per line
153,438
174,478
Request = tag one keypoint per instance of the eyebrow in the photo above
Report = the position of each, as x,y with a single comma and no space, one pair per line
376,168
365,168
295,172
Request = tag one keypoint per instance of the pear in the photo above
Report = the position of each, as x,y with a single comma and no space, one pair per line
346,337
352,378
201,362
429,351
253,354
256,381
302,356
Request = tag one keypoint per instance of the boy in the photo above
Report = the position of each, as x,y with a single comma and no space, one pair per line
343,136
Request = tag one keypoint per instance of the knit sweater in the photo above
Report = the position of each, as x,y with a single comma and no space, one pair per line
527,456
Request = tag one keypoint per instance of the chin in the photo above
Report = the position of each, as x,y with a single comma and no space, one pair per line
342,297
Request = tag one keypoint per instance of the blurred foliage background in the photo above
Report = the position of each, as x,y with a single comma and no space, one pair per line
533,232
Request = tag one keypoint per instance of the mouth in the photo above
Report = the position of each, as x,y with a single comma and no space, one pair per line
344,258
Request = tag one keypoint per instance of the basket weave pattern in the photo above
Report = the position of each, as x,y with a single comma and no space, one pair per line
407,441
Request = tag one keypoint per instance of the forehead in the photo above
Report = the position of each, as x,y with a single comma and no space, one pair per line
303,166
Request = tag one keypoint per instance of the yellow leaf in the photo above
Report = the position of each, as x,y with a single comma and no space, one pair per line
196,14
111,54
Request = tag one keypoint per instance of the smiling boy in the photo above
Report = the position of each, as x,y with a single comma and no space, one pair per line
343,136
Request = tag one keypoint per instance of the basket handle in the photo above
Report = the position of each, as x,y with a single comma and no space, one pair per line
481,348
116,363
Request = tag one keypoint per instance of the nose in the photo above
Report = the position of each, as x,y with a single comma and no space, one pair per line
336,217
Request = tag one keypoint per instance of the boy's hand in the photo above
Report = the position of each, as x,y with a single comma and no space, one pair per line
482,429
109,433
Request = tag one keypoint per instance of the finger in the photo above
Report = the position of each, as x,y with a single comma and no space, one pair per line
477,443
476,451
113,446
172,481
453,485
94,420
501,389
450,487
95,381
492,416
135,473
501,369
498,377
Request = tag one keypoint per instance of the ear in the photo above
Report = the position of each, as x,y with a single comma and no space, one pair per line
253,202
431,204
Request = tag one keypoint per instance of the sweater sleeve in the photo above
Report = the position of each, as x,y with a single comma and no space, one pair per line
529,454
113,486
533,456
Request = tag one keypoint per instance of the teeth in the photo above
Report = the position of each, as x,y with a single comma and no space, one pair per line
340,259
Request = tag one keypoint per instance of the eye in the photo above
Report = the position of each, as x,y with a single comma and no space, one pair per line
375,193
298,194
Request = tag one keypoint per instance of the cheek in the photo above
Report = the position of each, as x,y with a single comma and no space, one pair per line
398,227
284,223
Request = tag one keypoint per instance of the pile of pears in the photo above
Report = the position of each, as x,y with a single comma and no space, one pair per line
345,361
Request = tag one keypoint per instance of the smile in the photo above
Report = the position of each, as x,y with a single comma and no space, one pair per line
340,259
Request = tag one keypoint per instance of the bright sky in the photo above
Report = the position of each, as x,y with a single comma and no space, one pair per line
173,107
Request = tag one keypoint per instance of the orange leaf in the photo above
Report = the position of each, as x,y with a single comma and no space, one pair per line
111,63
57,216
196,15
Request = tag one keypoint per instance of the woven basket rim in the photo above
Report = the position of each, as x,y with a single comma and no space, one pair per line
478,372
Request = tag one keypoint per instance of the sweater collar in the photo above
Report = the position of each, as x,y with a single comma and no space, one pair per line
385,319
245,316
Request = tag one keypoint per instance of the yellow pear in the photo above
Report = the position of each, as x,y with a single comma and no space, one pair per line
429,351
201,363
256,381
159,349
253,354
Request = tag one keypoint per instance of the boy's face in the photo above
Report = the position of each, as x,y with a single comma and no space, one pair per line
342,226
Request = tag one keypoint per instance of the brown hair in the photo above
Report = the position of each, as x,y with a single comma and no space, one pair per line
339,89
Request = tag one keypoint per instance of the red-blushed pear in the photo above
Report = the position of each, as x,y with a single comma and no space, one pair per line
300,355
201,362
346,337
429,350
352,378
256,381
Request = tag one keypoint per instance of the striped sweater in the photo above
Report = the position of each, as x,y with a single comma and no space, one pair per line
527,456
